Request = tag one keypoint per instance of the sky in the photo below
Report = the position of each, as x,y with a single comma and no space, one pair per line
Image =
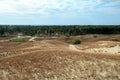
60,12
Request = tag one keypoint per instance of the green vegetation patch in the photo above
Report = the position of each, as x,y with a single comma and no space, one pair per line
76,41
18,40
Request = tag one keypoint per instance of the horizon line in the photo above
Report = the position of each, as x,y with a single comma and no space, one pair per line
56,25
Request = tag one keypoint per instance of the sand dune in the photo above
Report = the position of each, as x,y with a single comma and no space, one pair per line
109,50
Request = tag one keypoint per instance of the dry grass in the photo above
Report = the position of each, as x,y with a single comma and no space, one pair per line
59,65
46,60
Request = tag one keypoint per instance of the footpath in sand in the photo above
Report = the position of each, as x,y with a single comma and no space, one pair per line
32,39
73,47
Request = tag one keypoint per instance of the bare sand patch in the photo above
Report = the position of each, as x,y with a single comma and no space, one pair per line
109,50
32,39
72,47
104,47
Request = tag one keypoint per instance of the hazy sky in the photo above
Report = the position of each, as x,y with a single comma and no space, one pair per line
60,12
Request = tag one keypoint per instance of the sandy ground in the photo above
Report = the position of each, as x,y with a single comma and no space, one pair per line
72,47
32,38
58,60
108,50
104,47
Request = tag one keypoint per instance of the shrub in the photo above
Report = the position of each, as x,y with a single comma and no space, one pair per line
17,40
76,41
116,40
95,36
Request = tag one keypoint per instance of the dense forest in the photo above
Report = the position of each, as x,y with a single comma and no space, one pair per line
56,30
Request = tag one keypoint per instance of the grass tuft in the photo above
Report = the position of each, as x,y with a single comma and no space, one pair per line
17,40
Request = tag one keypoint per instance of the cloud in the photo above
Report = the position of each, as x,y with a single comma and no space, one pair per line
56,7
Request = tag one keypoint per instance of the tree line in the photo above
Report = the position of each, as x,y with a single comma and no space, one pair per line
57,30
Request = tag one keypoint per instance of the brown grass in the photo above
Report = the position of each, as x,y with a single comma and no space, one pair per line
46,60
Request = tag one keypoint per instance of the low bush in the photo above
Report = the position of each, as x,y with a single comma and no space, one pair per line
95,36
76,41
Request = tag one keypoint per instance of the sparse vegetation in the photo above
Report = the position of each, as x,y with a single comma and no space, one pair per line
116,40
76,41
17,40
95,36
47,58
